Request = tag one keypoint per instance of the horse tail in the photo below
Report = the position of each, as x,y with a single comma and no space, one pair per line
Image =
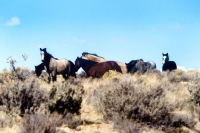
72,71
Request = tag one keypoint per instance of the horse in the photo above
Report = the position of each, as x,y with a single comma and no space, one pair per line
54,66
38,69
95,69
168,65
99,59
140,66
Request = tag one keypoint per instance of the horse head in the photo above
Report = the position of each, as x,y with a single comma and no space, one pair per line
37,71
131,64
165,58
42,53
77,63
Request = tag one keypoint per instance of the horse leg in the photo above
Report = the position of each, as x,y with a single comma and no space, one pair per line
49,77
64,76
54,76
68,72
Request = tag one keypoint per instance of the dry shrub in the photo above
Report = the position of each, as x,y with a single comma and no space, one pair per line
177,76
184,119
177,130
65,98
139,100
195,91
150,99
41,123
125,125
110,74
22,97
21,73
5,121
47,123
44,77
148,105
72,120
195,97
5,76
193,75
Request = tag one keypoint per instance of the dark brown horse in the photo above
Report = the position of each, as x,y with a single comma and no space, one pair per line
54,66
99,59
95,69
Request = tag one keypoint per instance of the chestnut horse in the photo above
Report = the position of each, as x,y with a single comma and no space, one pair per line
99,59
95,69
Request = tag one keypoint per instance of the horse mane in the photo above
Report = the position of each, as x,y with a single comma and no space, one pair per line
50,56
90,61
85,53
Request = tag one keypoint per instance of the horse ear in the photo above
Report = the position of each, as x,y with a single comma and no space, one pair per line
40,49
166,53
163,54
44,49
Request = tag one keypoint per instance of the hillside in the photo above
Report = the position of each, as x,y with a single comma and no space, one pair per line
156,102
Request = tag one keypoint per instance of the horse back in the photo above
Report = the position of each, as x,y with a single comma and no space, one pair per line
123,67
61,65
94,58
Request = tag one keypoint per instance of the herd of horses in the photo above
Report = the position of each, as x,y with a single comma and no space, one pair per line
94,65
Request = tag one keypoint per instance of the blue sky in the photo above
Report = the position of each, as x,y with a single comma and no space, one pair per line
116,30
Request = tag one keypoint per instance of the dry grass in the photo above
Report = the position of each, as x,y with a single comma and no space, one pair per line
155,99
151,102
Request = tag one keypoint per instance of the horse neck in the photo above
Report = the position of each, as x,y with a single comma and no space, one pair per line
87,64
48,60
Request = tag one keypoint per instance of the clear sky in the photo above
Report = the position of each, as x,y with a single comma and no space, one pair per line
114,29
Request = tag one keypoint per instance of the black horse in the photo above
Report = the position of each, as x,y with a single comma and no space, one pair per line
38,69
54,66
140,66
168,65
